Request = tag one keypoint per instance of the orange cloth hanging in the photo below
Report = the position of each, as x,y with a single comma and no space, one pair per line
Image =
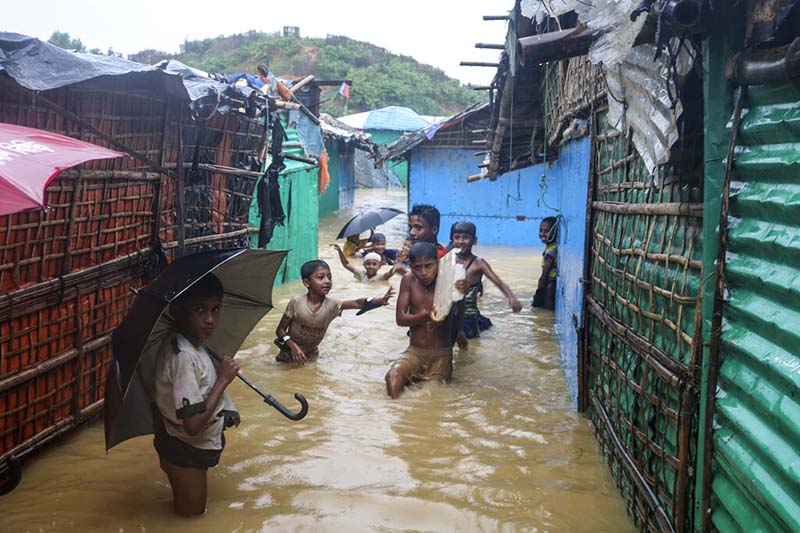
324,176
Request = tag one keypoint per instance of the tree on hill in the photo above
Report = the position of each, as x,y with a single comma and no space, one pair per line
62,39
380,78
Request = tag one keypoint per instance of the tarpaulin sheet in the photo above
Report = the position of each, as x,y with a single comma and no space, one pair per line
41,66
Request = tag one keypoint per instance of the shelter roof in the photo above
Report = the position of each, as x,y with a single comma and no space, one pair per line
41,66
392,118
473,119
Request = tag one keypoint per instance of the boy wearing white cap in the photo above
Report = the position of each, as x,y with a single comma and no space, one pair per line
369,272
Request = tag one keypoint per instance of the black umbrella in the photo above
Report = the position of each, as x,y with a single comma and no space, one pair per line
247,276
368,219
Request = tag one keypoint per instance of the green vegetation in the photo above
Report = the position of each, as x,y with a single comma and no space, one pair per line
380,78
63,39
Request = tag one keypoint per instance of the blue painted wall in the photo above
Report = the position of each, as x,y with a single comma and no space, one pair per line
506,211
573,165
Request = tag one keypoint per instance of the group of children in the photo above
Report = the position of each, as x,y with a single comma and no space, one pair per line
190,388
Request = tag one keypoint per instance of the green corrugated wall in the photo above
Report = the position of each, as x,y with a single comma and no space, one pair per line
756,456
300,200
400,168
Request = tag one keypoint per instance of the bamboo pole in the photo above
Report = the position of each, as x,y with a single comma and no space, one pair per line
629,464
666,208
490,46
208,238
478,64
299,85
179,192
715,342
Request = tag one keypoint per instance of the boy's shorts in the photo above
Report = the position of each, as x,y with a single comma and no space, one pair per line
426,364
179,453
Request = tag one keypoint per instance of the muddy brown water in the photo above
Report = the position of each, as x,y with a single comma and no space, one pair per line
500,448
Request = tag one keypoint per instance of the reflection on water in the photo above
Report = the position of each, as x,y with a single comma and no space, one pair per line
499,448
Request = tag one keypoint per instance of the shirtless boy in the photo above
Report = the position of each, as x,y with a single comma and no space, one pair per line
430,353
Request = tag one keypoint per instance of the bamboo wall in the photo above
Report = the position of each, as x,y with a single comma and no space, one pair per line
66,272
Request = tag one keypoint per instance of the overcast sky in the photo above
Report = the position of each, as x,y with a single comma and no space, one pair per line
438,32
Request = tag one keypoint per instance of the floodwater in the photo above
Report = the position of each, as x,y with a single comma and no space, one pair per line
500,448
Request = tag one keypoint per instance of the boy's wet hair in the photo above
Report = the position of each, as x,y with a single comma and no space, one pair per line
552,234
263,70
309,267
426,212
378,237
422,250
209,286
463,226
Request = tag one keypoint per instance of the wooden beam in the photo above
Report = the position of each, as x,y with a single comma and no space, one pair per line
478,64
299,85
562,44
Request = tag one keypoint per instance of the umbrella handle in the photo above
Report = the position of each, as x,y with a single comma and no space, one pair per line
286,412
270,400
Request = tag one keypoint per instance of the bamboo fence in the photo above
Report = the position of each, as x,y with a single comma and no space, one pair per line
66,272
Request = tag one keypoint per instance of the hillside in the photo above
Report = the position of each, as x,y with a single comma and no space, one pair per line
380,78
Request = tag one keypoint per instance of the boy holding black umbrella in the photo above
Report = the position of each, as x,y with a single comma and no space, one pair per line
190,396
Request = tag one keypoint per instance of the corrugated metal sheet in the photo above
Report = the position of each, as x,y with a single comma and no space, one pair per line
756,461
299,196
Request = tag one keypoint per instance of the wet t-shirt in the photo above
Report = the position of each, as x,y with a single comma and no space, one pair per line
307,328
184,376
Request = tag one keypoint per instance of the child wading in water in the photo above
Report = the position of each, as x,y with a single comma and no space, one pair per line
190,396
423,226
462,234
430,352
545,295
307,316
369,272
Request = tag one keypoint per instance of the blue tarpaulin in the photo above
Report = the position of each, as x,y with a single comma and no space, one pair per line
392,118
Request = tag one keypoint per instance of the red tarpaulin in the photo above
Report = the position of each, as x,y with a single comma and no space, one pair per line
30,159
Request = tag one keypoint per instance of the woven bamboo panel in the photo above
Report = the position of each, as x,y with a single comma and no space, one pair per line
216,197
641,314
53,360
569,88
101,211
66,272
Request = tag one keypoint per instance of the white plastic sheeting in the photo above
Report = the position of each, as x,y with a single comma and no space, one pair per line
445,293
639,91
609,18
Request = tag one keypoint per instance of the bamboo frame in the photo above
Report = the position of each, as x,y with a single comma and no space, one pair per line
66,273
641,325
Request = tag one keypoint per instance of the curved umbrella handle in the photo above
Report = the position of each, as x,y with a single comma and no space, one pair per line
286,412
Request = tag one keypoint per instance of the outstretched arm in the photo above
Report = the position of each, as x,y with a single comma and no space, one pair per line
389,273
343,259
486,268
359,304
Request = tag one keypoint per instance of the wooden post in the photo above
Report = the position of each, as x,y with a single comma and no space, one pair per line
180,215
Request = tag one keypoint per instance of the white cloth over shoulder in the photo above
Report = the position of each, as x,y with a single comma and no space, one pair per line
445,294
